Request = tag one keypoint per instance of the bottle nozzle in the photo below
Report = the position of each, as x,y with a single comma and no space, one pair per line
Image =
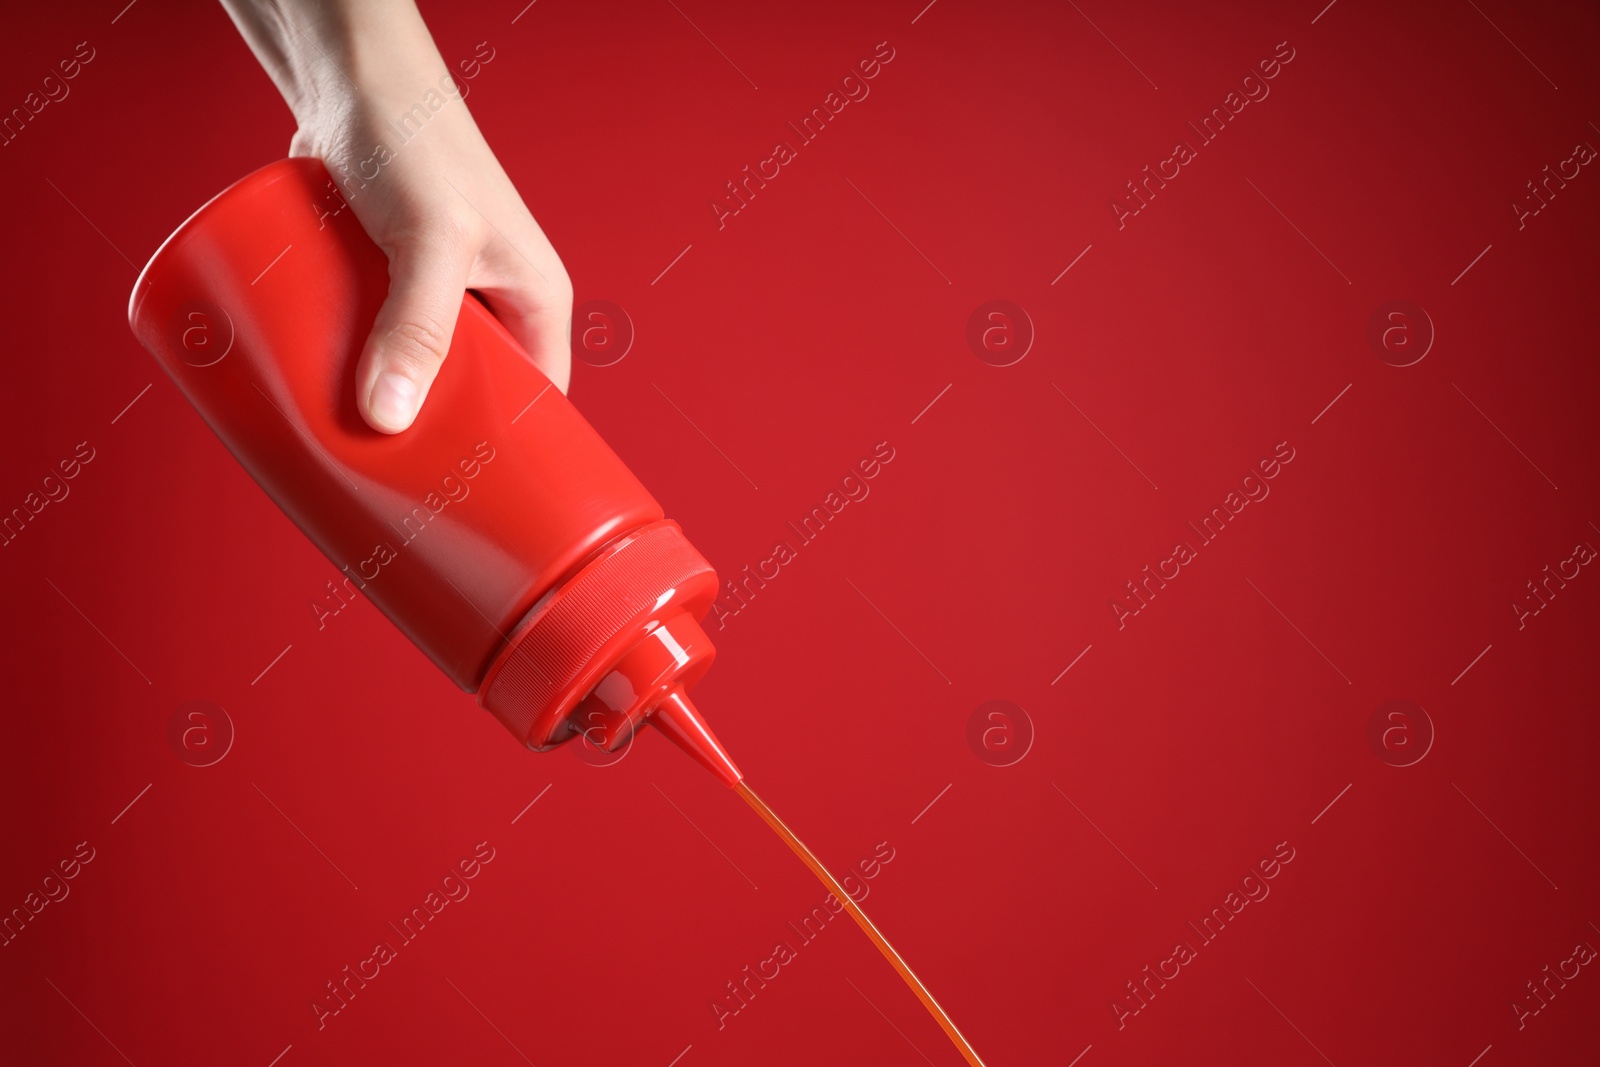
680,720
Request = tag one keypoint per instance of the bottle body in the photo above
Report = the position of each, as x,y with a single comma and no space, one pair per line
470,529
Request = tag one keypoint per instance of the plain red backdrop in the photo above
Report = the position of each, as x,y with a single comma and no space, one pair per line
1174,754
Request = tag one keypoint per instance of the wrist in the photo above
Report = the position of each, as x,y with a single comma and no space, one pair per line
383,48
367,48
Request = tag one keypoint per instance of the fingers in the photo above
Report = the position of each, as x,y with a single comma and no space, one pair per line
427,277
535,306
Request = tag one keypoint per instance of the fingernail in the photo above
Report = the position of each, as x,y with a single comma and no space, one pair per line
394,401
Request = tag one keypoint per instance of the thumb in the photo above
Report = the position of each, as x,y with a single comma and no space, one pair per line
411,337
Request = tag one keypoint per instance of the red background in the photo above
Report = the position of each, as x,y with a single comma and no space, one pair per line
1175,754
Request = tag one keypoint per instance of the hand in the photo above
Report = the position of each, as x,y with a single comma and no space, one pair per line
360,76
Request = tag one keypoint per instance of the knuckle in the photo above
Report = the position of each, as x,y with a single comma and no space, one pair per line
435,232
459,230
419,340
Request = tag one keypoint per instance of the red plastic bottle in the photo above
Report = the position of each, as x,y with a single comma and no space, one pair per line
499,533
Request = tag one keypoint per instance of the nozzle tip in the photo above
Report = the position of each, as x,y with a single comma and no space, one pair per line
678,718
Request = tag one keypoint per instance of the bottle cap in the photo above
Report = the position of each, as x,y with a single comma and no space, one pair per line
615,637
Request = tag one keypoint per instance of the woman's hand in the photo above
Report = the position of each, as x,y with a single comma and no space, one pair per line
376,102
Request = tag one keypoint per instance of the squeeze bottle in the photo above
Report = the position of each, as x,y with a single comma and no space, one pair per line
499,532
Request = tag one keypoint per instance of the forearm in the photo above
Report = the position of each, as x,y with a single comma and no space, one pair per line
316,51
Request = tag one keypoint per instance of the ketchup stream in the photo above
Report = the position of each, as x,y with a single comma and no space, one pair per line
799,848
